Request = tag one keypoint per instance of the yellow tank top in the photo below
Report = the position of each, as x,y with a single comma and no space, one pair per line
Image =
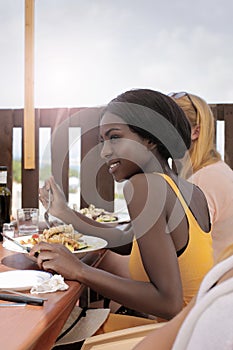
194,262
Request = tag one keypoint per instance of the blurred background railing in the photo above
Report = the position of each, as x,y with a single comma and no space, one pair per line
66,138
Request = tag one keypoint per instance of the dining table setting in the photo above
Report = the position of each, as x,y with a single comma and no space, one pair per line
35,304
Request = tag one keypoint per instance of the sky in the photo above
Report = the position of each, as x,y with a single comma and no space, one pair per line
87,52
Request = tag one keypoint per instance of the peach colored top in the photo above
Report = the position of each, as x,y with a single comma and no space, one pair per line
194,262
216,181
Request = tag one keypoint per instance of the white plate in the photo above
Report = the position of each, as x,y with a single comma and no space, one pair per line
122,219
117,222
22,279
94,243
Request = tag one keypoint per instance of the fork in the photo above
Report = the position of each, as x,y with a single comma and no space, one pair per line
46,214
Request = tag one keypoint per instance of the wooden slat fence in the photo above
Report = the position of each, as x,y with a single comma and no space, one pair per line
60,120
93,174
224,112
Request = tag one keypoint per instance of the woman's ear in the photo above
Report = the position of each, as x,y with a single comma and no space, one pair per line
195,132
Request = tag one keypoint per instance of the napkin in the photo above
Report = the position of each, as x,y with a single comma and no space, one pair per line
53,284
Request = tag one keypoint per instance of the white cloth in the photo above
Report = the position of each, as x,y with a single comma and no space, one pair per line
209,325
53,284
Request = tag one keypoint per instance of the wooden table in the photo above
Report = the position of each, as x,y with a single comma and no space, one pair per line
37,327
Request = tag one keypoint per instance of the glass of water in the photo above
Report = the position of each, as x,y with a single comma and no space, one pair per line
27,221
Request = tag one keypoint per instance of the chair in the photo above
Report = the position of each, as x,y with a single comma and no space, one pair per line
124,339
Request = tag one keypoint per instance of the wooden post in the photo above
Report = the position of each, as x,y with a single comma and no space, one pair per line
29,111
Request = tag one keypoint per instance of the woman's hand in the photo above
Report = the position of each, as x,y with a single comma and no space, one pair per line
58,201
57,258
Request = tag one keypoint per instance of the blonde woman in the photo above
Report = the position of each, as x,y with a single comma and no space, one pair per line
203,166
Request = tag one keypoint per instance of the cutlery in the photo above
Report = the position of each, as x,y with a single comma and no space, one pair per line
26,248
46,214
12,304
17,293
22,299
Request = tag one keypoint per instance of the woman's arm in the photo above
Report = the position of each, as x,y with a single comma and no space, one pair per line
137,295
161,295
59,208
149,214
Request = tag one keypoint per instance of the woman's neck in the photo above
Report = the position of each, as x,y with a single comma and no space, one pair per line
158,164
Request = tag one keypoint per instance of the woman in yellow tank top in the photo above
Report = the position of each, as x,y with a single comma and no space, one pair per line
198,245
140,130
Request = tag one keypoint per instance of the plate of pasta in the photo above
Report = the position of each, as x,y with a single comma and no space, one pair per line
63,234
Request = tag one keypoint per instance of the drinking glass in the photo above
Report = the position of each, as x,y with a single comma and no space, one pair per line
27,221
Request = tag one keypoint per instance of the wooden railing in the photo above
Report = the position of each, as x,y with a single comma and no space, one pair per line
96,184
59,120
224,112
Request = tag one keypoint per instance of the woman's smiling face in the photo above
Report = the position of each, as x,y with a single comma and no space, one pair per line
124,151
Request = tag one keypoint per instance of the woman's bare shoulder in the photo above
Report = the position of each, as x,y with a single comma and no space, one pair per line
144,179
142,192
